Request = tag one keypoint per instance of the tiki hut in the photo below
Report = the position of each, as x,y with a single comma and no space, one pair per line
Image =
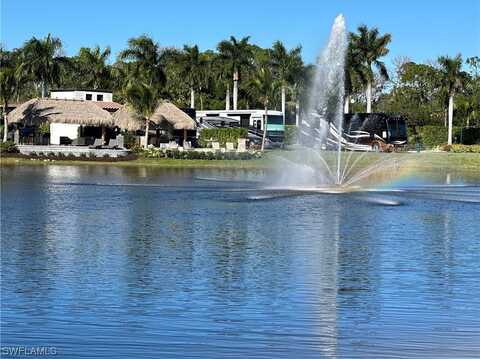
36,111
167,118
127,119
167,112
65,120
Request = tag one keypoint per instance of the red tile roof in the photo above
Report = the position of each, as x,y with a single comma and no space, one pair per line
108,105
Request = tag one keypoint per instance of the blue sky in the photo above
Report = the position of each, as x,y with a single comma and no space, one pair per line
421,29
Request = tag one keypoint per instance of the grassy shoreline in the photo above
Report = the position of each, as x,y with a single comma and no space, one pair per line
420,161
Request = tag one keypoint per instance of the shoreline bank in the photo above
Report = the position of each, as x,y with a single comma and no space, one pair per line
425,161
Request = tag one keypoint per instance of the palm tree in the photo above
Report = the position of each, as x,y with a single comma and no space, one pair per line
288,67
237,55
143,100
263,85
369,46
43,61
8,85
193,65
355,74
146,57
453,79
93,69
223,75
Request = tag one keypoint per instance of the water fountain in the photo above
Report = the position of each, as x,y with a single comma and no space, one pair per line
326,96
321,127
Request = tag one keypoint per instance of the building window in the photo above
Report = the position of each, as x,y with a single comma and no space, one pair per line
99,97
88,97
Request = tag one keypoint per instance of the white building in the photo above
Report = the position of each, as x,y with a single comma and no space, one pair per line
82,94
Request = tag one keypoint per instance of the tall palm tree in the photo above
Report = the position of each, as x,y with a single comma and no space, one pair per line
370,46
237,55
146,57
93,68
193,66
263,85
144,100
288,67
223,75
8,84
355,74
42,60
453,79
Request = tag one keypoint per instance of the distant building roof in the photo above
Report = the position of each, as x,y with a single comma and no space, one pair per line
80,89
108,105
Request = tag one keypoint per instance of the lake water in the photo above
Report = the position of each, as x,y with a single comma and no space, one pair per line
100,261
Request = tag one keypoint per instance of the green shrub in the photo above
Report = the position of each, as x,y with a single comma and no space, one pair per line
8,147
129,141
290,134
433,136
222,135
44,128
458,148
468,136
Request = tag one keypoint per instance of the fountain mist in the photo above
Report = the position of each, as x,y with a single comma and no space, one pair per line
321,127
326,95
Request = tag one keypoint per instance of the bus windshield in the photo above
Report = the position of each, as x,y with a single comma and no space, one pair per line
397,128
275,120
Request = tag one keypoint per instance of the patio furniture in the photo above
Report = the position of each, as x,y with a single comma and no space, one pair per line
120,141
80,141
172,145
97,144
229,146
242,145
64,140
112,144
216,146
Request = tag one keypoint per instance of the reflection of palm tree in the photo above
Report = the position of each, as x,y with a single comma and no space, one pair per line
93,69
42,60
369,46
237,55
453,80
288,67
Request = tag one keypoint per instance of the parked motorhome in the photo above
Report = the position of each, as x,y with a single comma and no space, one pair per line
252,119
360,132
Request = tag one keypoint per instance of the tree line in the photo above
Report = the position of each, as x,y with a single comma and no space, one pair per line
239,74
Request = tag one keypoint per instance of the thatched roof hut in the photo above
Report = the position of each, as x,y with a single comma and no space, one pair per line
49,110
127,119
168,112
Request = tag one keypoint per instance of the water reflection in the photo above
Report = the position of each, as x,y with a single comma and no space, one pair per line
162,264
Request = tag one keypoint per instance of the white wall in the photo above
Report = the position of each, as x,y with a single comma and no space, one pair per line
58,130
80,95
66,95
